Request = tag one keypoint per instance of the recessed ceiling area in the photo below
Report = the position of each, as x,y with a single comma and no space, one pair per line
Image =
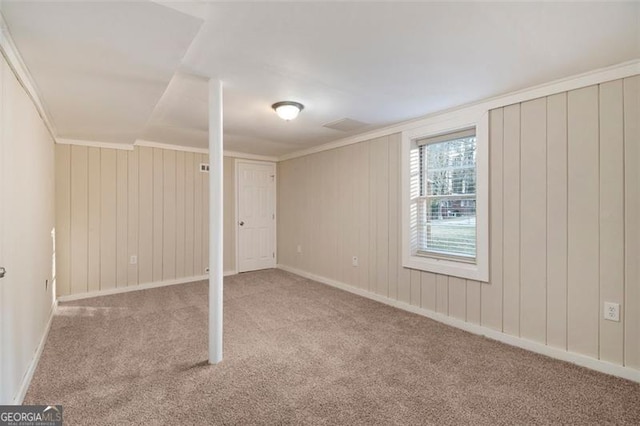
100,67
376,63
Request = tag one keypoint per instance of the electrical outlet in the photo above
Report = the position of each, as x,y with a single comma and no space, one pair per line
299,249
133,260
354,261
612,311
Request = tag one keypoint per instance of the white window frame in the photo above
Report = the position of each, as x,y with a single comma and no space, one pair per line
479,270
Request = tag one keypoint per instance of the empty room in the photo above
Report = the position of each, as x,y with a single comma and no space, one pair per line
229,212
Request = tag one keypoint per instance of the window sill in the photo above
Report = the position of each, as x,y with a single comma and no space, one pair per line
461,269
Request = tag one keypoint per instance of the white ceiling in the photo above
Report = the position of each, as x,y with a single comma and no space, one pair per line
378,63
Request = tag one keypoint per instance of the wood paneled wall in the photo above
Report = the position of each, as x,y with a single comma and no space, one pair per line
564,219
113,204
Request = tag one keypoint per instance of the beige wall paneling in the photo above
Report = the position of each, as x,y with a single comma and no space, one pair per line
301,237
533,221
158,213
611,217
416,288
555,232
146,218
198,269
511,220
457,298
474,300
404,274
93,236
107,218
229,215
353,218
285,197
180,211
320,185
362,211
382,220
393,212
189,212
442,294
300,232
327,254
404,282
428,291
169,215
296,207
158,206
132,214
372,283
122,211
205,216
288,193
336,217
312,212
296,201
583,221
492,292
345,248
557,220
631,308
148,202
324,187
311,196
79,218
63,219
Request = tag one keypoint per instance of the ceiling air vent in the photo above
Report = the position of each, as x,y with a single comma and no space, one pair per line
204,168
345,125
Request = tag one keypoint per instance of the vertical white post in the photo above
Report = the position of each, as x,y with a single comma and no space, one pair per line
215,221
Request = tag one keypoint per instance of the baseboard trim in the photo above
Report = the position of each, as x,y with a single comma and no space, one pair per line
228,273
581,360
80,296
28,376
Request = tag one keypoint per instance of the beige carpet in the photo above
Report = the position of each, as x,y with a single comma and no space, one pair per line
299,352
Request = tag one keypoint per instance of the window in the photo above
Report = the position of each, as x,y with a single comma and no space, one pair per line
447,201
445,180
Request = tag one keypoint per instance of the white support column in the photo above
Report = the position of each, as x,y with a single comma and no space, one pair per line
215,221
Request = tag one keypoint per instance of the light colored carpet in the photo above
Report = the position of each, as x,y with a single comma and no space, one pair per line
299,352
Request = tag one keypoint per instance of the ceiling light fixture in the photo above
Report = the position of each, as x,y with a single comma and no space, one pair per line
287,110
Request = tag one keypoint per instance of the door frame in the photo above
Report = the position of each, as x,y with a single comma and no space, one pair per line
236,209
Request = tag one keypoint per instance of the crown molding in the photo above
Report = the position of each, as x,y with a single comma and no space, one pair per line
95,144
601,75
16,63
152,144
246,156
234,154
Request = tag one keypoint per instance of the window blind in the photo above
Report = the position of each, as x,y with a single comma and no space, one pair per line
447,201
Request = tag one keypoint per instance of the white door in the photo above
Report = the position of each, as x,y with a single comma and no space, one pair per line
256,215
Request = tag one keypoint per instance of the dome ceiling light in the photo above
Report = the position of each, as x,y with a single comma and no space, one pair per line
287,110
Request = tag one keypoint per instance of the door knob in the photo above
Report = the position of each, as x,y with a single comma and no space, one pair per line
2,271
241,223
